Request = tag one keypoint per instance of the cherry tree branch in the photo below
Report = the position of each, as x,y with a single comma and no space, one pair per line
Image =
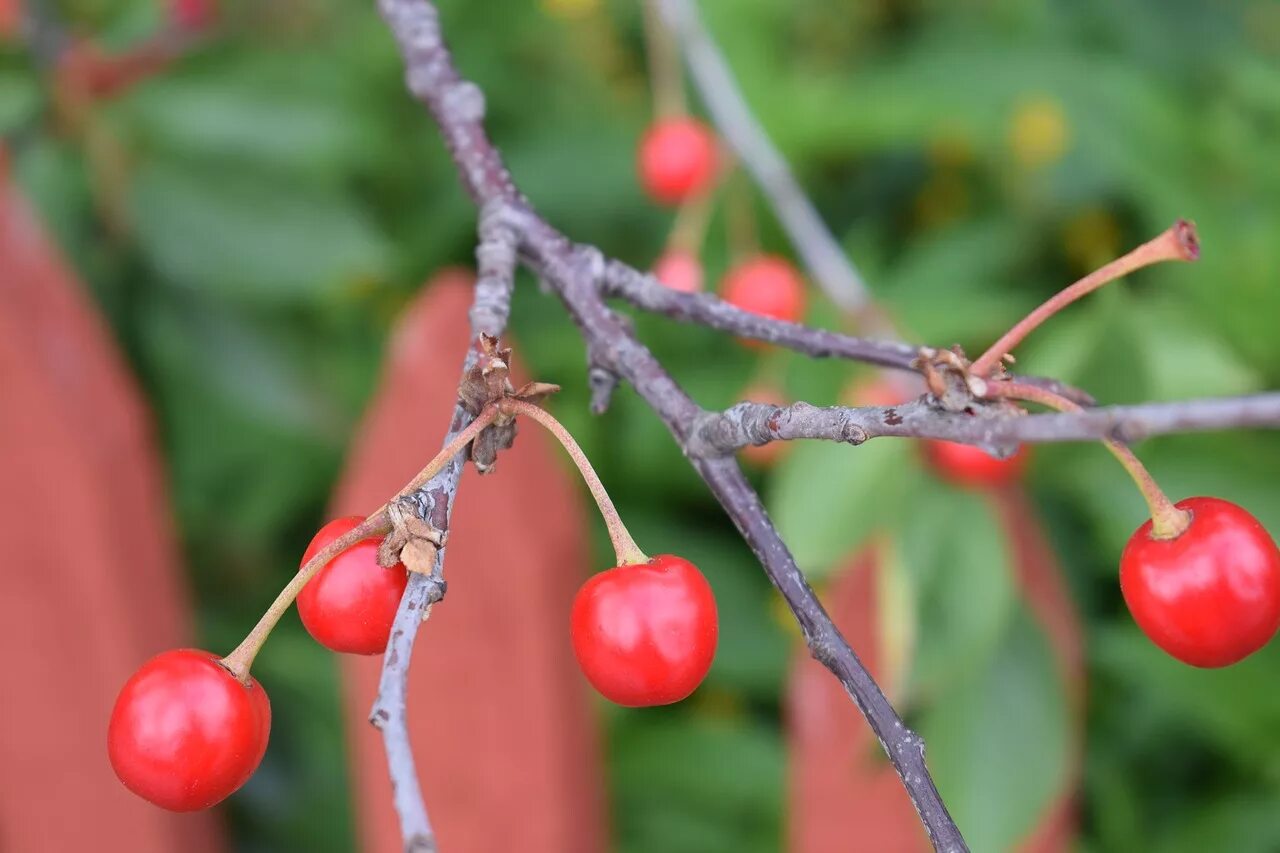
991,427
495,263
581,277
706,309
574,273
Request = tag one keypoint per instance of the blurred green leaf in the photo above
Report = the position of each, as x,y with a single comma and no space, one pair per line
959,562
696,786
998,741
235,118
1225,705
19,97
253,240
827,498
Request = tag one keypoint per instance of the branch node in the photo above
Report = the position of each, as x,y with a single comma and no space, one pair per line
602,382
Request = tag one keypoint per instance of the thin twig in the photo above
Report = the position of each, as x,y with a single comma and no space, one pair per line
706,309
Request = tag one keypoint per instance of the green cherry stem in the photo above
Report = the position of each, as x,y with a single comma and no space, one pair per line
624,547
377,524
664,64
1178,242
1167,521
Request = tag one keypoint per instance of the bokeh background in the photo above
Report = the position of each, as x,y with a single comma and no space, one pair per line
252,218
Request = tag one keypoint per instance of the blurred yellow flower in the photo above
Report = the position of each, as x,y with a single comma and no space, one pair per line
1038,133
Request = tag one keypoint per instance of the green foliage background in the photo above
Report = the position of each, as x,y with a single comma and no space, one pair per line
283,198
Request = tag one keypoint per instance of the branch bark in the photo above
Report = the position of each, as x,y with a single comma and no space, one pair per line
496,259
706,309
991,427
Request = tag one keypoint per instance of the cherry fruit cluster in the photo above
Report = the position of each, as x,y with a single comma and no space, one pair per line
189,728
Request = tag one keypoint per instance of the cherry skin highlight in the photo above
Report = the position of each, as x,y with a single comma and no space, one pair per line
972,467
645,634
350,604
679,270
766,285
184,733
1210,596
677,160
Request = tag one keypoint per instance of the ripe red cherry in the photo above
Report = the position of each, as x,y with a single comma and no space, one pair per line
966,465
184,733
645,634
679,270
1210,596
766,285
677,160
350,605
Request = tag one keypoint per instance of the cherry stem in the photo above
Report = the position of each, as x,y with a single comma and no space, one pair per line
741,229
377,524
624,547
1167,521
1178,242
665,78
690,228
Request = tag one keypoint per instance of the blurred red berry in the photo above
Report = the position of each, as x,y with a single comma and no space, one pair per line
192,15
677,160
766,285
966,465
679,270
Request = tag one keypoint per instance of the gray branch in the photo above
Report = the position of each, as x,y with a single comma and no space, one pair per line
990,427
495,262
582,277
575,273
706,309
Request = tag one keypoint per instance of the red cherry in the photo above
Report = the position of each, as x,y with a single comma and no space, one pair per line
677,160
1210,596
766,285
350,604
184,733
679,270
966,465
645,634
